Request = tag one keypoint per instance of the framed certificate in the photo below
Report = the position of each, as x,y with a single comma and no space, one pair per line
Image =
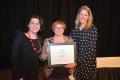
61,54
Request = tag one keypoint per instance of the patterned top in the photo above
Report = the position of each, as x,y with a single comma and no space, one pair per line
56,72
86,47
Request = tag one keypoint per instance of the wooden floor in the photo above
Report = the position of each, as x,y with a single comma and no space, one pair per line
5,74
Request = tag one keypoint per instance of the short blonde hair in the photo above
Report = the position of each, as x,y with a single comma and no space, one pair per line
61,22
89,23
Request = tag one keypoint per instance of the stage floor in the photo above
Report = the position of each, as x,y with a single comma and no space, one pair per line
102,62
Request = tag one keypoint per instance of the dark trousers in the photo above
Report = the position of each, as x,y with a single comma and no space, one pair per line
58,79
40,75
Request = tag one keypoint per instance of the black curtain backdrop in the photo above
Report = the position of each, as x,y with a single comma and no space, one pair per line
15,13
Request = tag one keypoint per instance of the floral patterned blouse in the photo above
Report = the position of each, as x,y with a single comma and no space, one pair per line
56,72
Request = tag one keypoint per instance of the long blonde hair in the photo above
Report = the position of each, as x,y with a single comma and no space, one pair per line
89,23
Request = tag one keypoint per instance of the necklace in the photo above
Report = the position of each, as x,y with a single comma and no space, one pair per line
36,49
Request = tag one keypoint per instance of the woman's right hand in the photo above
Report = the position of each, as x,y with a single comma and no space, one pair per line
71,65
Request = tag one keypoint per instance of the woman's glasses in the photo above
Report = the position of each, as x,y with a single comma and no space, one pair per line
58,28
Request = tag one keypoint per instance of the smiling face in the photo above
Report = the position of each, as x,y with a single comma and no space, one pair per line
34,25
58,29
83,17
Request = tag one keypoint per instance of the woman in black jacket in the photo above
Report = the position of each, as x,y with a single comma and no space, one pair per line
26,50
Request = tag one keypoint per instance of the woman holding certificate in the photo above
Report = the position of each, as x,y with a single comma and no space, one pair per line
57,73
85,36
